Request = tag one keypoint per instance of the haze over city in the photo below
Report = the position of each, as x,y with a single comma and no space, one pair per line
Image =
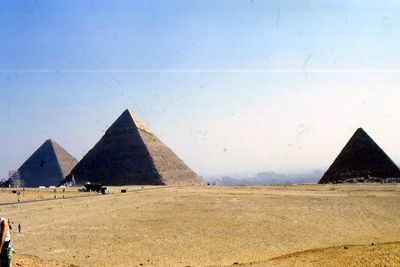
234,90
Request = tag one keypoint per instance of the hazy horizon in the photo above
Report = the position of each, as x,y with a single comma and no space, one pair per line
234,88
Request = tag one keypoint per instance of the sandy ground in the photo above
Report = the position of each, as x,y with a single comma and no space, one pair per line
387,254
303,225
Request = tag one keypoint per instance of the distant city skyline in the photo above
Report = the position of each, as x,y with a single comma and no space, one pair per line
235,88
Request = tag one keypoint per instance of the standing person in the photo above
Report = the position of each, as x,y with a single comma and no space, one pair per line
19,228
10,223
5,243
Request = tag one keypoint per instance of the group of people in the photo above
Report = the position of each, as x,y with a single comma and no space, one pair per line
6,248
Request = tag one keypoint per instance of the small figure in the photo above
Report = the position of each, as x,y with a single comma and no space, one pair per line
19,228
10,224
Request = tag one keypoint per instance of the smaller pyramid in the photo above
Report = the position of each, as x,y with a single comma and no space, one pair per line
361,160
47,166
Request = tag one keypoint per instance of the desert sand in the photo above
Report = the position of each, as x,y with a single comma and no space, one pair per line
297,225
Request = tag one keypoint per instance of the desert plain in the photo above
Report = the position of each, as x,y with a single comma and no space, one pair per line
285,225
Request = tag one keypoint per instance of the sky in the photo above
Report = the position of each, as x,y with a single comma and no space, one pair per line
233,87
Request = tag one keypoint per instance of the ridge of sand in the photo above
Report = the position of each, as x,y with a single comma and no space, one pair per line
382,254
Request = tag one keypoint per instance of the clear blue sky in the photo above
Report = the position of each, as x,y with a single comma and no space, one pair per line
234,87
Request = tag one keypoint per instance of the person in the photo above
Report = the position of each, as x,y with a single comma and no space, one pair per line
19,228
5,243
10,223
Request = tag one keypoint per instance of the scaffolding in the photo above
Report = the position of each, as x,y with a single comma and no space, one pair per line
14,179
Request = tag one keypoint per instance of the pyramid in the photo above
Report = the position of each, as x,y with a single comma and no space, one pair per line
47,166
363,160
130,154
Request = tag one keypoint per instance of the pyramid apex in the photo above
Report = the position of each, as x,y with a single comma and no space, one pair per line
360,130
49,142
361,133
126,118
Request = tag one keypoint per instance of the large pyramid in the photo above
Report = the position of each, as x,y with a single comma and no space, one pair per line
361,159
47,166
130,154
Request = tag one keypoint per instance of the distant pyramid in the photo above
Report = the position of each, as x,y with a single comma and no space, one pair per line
361,159
48,166
130,154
